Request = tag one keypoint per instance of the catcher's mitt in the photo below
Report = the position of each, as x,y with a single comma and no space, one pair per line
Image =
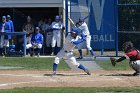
113,61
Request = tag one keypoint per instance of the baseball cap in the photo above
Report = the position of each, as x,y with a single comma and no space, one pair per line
8,16
3,17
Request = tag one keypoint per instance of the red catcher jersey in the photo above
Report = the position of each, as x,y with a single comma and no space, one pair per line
134,53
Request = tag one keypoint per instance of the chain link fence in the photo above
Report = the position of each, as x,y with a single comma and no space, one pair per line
129,22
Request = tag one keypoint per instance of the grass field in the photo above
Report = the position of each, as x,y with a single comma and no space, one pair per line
32,63
106,65
73,90
46,64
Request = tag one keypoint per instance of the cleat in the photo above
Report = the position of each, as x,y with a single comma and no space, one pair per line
87,71
54,73
136,74
79,57
93,57
52,54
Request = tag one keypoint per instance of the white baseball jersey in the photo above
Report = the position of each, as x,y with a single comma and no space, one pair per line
57,33
3,42
84,29
68,46
66,51
57,25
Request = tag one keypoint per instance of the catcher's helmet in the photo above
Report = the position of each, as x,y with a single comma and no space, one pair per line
127,46
75,30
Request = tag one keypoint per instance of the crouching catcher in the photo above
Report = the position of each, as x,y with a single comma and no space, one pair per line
133,54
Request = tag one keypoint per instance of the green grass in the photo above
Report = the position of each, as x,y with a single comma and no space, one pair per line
72,90
106,65
32,63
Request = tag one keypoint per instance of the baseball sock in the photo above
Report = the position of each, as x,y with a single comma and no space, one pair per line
54,67
92,53
81,67
80,51
53,49
39,50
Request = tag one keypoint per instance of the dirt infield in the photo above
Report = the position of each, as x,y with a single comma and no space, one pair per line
14,79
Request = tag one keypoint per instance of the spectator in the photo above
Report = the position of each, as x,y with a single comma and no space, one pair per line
48,35
28,27
36,42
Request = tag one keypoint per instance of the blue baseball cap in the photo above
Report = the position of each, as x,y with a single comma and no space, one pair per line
81,19
57,17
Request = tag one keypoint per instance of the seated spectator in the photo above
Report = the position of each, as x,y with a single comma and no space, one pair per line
36,42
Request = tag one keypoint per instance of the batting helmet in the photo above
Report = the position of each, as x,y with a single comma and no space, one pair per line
81,19
75,30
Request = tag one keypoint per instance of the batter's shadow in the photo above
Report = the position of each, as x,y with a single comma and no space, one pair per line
117,75
65,75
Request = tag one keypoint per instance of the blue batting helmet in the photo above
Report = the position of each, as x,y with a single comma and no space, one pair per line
75,30
81,19
57,17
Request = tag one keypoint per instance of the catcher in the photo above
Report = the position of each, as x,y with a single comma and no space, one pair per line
133,54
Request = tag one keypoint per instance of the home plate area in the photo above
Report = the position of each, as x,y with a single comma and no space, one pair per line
18,79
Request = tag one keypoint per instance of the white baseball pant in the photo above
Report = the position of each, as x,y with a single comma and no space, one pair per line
30,46
135,65
66,55
85,43
56,38
3,42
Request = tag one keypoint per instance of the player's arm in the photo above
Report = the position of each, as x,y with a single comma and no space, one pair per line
114,61
79,40
121,59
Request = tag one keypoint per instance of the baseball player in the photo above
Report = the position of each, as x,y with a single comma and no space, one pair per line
12,27
11,22
36,41
57,28
133,54
66,52
4,41
85,31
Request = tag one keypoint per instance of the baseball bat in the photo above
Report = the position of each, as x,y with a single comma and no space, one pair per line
71,21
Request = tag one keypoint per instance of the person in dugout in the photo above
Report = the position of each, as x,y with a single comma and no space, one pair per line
36,43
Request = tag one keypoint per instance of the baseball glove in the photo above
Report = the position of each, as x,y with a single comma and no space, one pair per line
113,61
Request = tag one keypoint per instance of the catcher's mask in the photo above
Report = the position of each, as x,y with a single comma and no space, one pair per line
127,46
